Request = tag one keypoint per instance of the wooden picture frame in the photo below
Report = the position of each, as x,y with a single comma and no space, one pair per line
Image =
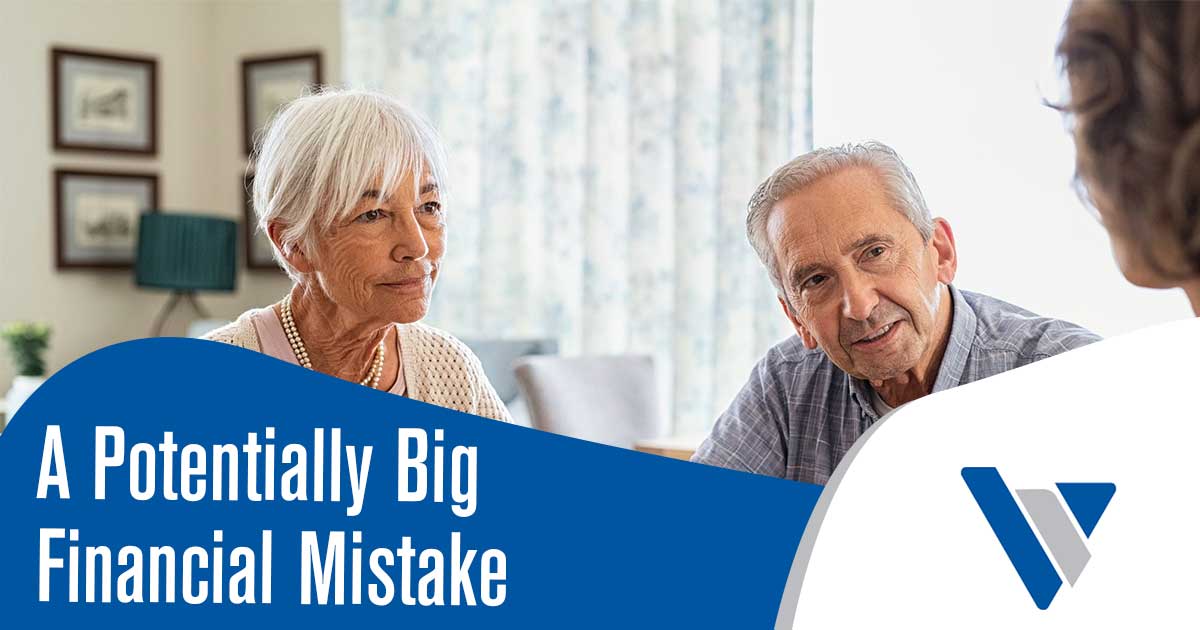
103,102
96,216
272,81
258,248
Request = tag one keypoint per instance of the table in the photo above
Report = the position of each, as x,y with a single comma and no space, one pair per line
676,447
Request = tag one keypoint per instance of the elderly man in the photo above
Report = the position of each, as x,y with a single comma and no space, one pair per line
864,275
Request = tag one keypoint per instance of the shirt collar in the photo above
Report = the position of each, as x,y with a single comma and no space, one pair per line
954,359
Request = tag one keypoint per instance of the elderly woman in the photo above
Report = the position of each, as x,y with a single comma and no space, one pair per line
349,185
1134,74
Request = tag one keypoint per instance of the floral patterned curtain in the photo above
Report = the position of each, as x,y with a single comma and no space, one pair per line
601,156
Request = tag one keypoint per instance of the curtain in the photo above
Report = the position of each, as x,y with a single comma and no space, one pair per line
601,157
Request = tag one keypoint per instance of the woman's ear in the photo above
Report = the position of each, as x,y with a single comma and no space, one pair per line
947,254
292,252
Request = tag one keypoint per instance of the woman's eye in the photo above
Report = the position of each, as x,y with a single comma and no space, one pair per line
432,207
370,216
875,252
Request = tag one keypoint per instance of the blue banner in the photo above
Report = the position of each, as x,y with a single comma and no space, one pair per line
192,483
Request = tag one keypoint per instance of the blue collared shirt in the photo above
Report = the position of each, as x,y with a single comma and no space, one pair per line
799,413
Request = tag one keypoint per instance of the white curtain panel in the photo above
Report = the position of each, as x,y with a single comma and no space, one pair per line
601,157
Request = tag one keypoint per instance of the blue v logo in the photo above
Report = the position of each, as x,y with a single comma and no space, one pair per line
1086,502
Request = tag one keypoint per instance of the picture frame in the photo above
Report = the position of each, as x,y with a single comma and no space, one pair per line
259,251
96,216
103,102
269,83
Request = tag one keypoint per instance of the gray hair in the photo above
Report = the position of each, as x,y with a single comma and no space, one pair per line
898,182
323,150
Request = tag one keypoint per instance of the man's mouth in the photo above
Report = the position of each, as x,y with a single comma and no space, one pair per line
877,336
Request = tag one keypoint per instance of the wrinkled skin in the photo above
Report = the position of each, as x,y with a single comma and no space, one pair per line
376,268
851,265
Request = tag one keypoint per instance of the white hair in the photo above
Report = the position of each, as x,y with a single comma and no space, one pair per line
323,150
898,182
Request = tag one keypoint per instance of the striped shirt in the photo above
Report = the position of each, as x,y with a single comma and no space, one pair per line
799,413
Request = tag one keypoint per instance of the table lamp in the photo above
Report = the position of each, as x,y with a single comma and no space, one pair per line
185,253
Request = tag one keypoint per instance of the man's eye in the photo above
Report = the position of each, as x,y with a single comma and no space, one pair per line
432,207
370,216
875,252
813,282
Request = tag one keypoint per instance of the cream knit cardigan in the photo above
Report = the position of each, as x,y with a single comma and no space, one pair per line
438,369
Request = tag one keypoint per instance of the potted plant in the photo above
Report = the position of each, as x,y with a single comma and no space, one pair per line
27,343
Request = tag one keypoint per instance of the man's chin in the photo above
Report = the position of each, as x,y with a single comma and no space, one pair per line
886,363
878,371
881,375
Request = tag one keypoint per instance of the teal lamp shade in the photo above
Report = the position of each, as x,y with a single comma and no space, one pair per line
186,253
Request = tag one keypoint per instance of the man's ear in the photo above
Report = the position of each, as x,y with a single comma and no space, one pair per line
291,252
810,342
947,253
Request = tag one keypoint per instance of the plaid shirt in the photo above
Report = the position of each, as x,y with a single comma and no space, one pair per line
799,413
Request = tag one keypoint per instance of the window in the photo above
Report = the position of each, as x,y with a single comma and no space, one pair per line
957,89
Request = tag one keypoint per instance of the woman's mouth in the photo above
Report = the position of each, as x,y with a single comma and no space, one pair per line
415,283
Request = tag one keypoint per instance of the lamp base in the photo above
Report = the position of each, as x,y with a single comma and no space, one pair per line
172,303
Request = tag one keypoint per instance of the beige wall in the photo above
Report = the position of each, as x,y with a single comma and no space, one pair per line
199,45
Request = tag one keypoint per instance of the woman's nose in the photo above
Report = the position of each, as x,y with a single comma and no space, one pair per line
410,243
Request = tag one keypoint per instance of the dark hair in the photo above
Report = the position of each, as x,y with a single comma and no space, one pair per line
1134,75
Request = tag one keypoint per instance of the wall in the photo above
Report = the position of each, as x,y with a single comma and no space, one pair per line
198,45
240,29
956,88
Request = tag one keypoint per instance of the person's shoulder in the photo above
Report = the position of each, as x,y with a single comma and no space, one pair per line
429,342
240,332
223,334
1005,327
791,367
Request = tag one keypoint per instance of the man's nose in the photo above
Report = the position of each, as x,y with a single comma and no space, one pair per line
410,243
859,297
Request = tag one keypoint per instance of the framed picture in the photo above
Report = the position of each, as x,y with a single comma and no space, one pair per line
96,217
104,102
258,245
269,83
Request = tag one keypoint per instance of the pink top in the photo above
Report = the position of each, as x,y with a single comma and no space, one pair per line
275,343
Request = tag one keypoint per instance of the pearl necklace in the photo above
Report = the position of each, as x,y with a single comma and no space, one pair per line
293,336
